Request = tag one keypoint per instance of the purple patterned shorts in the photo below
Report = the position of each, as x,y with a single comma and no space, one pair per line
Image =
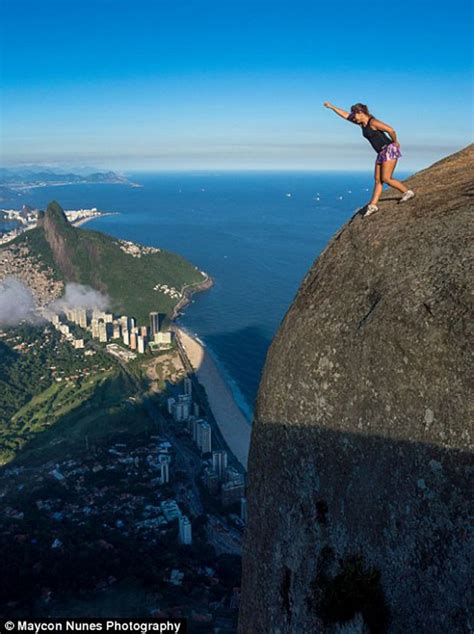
389,152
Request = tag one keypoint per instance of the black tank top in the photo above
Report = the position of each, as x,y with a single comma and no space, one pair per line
377,138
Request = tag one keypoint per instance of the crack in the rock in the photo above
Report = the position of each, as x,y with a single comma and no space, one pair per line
369,313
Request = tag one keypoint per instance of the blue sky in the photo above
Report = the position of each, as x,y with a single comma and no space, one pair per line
231,84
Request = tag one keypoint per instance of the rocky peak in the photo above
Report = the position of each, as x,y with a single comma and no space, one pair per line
61,237
360,457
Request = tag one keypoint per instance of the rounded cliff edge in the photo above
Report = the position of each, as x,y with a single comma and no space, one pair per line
360,464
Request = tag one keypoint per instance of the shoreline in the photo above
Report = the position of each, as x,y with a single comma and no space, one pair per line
20,188
8,236
232,423
83,221
188,292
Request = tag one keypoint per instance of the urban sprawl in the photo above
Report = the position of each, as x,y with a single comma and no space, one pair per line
104,327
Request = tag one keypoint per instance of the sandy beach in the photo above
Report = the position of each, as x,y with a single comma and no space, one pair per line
83,221
232,423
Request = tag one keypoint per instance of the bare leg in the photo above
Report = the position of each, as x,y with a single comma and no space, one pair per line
387,170
378,185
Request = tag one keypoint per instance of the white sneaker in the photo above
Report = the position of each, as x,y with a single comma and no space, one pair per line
371,209
406,196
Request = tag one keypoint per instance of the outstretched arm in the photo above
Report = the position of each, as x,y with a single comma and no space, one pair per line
342,113
380,125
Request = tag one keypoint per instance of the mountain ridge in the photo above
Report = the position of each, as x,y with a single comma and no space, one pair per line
131,275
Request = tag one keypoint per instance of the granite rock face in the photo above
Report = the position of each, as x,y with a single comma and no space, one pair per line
360,465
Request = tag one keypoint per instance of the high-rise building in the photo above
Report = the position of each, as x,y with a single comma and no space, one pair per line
108,318
194,429
188,385
116,329
185,531
164,462
124,322
141,342
180,410
164,472
170,402
144,331
219,462
156,323
203,440
211,480
79,317
103,332
95,328
133,341
195,409
126,337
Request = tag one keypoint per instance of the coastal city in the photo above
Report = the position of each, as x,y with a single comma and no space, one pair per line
174,486
105,327
124,438
236,300
27,218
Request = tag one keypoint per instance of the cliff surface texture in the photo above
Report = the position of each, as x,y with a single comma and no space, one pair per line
359,466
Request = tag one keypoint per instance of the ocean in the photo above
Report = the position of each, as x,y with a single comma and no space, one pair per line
255,233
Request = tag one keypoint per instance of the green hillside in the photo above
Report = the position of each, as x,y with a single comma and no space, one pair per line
98,260
52,396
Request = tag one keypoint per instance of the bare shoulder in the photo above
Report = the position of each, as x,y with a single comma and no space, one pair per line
378,124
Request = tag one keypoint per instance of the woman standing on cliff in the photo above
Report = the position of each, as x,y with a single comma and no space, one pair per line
386,146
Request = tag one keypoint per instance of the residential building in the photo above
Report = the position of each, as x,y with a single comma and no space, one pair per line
170,402
180,411
232,492
163,339
116,329
188,386
170,510
211,480
156,323
185,530
141,343
95,327
219,462
164,462
203,440
103,331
